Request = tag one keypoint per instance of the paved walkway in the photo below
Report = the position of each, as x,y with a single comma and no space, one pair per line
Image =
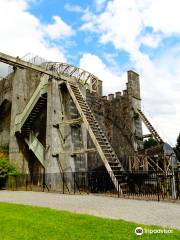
142,212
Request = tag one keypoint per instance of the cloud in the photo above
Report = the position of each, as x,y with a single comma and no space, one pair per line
122,23
73,8
162,15
111,82
22,32
151,40
59,29
115,24
99,4
129,25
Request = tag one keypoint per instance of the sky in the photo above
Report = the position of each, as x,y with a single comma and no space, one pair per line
107,38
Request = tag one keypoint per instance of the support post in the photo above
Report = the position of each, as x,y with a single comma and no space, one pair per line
74,182
63,181
157,185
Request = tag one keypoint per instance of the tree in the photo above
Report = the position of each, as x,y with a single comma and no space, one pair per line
150,142
177,148
6,168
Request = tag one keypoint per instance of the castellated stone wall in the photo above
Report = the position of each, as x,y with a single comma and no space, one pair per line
115,114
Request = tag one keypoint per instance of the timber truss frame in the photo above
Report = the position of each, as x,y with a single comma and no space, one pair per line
159,163
59,71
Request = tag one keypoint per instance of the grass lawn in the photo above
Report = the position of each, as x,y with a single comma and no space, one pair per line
27,222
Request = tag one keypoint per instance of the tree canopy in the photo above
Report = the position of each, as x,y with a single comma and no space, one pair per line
177,148
150,142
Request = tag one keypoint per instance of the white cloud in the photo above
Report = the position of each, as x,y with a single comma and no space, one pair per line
118,24
151,40
99,4
162,15
73,8
111,82
59,29
22,32
124,23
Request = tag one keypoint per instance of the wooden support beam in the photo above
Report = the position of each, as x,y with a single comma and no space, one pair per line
71,121
81,151
147,135
17,62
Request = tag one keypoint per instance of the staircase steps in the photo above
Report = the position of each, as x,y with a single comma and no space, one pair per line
33,107
24,121
108,156
34,114
150,127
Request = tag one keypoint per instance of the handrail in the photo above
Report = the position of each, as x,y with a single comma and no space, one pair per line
40,90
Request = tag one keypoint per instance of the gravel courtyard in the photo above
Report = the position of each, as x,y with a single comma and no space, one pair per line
142,212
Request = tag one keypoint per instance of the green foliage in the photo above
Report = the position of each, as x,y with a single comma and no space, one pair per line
177,148
150,142
7,168
4,148
36,223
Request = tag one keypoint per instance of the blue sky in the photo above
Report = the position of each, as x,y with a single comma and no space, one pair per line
82,41
107,38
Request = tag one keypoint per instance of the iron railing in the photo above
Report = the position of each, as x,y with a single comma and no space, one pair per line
139,185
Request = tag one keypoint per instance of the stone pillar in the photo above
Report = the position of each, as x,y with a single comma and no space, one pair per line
133,85
133,89
24,84
100,88
118,95
110,97
54,114
59,164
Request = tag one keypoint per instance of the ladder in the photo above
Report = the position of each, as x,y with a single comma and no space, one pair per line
150,127
25,128
24,120
107,154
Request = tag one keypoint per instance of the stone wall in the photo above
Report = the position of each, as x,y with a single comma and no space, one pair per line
116,114
23,86
6,88
115,118
5,119
66,142
5,109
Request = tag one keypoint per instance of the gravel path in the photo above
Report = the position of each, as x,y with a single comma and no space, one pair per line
146,212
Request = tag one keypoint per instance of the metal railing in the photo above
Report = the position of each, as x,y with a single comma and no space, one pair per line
138,185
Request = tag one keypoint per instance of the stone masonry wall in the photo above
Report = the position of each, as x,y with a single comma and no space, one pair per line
64,141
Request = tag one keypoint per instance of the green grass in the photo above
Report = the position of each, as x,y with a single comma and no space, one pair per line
26,222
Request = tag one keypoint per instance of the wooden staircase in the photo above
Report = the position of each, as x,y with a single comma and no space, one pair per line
25,120
37,101
150,127
26,127
107,154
